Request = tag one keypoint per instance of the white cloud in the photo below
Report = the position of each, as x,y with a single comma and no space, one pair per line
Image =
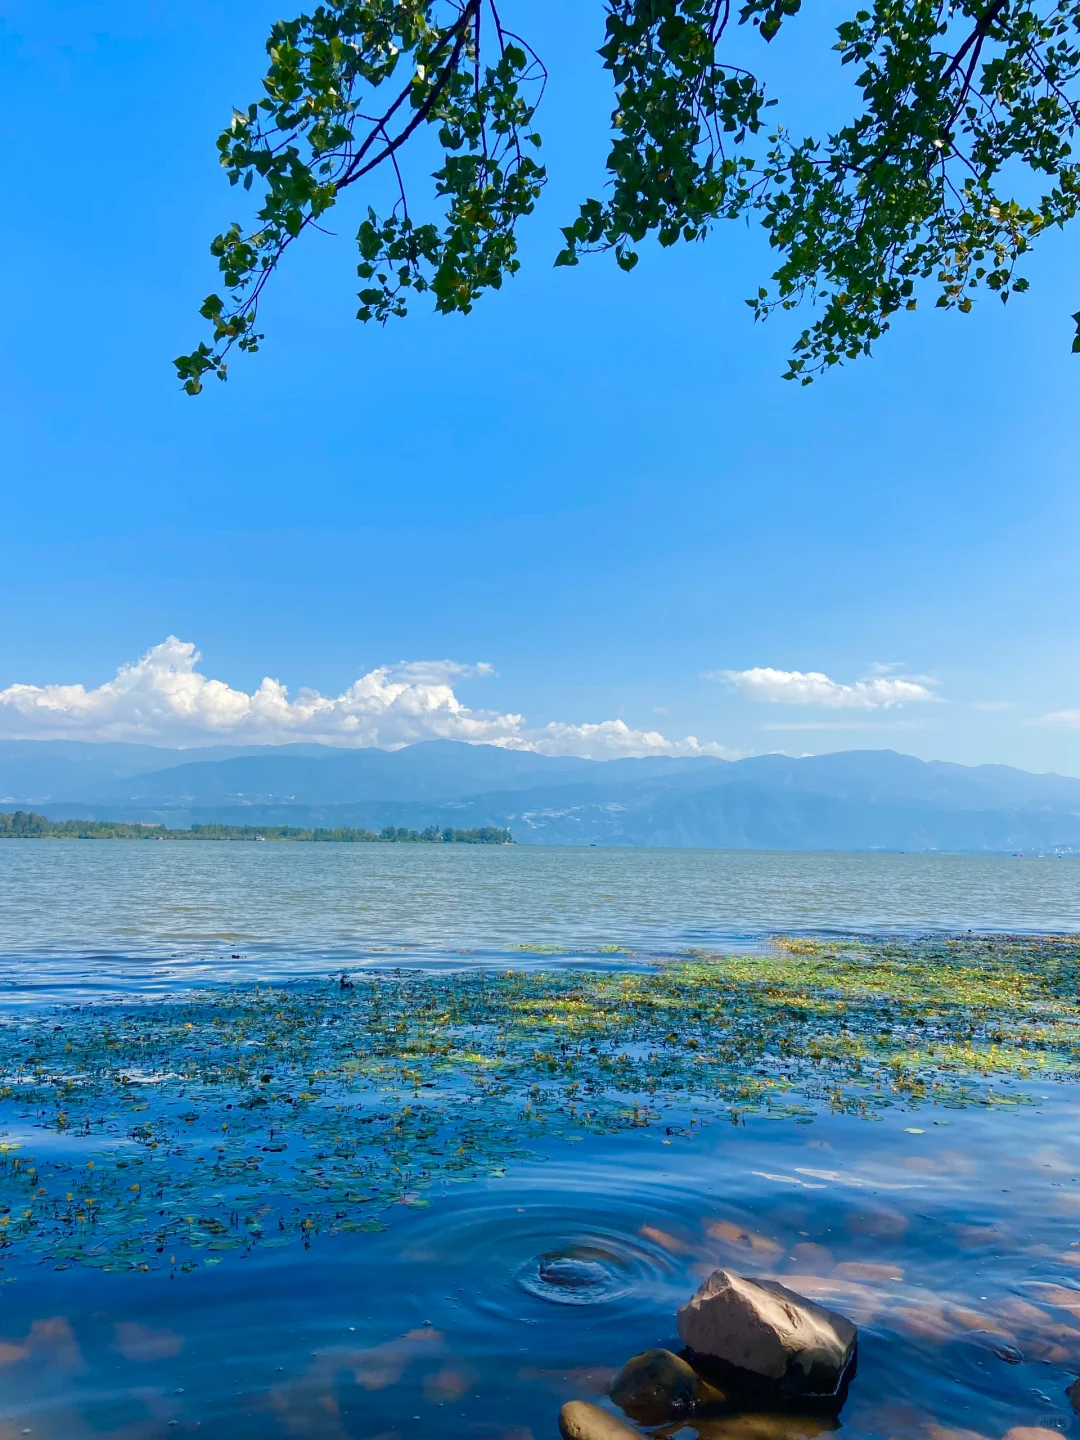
611,738
164,699
811,687
1063,719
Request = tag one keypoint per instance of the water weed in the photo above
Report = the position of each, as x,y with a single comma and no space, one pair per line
150,1135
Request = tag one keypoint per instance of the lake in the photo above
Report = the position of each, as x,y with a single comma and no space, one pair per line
159,914
194,1240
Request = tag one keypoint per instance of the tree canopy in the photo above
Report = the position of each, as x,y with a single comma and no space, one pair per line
957,156
28,825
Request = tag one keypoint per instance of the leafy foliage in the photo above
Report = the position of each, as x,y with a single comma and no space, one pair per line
322,127
959,156
240,1118
957,100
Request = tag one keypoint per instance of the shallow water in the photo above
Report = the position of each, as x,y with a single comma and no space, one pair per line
951,1237
136,915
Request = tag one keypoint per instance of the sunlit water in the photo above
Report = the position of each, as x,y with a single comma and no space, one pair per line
160,915
951,1248
952,1237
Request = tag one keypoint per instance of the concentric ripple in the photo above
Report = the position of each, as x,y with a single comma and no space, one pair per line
541,1240
577,1275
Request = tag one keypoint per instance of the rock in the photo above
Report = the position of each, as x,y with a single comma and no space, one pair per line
1073,1393
1030,1432
767,1331
580,1421
656,1386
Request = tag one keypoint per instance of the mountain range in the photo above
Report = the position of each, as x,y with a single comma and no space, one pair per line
850,800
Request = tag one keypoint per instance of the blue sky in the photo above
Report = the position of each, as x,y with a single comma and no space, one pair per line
597,484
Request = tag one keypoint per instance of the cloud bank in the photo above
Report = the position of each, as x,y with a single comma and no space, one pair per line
164,699
811,687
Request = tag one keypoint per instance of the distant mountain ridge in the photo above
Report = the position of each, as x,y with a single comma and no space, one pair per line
849,800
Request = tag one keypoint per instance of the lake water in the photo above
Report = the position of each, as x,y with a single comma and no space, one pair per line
951,1236
159,915
955,1249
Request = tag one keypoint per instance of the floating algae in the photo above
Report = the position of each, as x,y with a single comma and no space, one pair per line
150,1136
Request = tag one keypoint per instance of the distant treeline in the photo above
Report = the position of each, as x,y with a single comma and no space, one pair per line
25,825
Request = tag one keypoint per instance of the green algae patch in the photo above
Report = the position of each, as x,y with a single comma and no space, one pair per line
152,1135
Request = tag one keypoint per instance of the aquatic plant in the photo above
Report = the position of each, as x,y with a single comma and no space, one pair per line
149,1135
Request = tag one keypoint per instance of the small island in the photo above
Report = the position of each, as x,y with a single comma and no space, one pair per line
26,825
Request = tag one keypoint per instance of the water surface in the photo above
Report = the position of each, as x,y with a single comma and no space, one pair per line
951,1236
159,914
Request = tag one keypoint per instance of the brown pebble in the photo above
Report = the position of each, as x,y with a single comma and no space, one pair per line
657,1386
581,1421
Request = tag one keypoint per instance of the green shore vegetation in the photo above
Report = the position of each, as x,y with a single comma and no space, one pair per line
25,825
246,1117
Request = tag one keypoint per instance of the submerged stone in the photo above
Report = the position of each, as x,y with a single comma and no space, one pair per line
656,1386
572,1274
768,1333
580,1421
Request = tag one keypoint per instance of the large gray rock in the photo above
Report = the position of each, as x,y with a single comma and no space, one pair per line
581,1421
656,1386
762,1328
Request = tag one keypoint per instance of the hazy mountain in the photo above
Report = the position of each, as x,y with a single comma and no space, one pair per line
853,800
292,774
33,770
